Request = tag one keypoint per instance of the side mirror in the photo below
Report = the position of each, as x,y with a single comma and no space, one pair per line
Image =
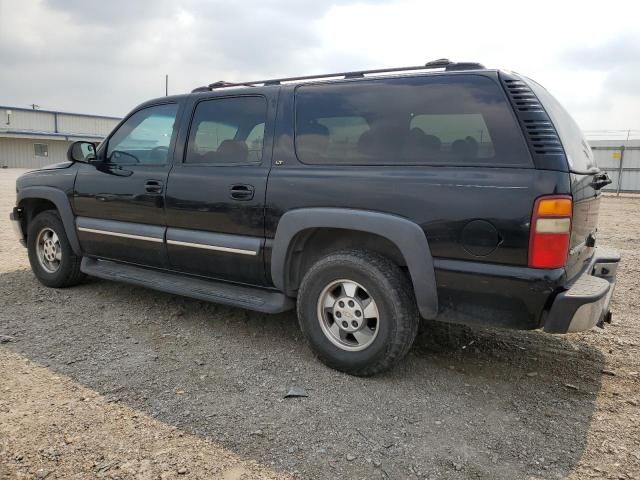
81,152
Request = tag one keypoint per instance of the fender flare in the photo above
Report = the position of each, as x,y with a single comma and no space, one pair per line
61,201
405,234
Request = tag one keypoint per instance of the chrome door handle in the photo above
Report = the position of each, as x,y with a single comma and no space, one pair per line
242,192
153,186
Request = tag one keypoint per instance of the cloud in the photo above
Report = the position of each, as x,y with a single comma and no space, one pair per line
535,45
619,59
615,62
123,12
107,56
621,51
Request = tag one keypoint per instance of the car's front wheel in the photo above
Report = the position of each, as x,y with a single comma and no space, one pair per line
50,255
357,311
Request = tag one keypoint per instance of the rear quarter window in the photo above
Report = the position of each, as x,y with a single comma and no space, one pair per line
576,148
441,120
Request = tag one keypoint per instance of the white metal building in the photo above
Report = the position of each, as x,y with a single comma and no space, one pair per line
621,160
34,138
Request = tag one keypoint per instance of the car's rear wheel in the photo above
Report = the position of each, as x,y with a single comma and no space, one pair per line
357,311
50,255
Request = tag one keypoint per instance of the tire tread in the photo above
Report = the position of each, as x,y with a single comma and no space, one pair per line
71,274
400,292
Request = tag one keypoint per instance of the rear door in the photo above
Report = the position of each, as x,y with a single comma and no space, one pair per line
585,187
119,200
216,190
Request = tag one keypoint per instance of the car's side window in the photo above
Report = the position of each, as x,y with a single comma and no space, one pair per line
451,128
421,120
144,138
344,133
227,131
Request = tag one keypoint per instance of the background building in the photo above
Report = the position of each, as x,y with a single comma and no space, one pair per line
35,138
621,160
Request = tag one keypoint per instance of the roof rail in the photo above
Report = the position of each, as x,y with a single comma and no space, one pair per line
435,64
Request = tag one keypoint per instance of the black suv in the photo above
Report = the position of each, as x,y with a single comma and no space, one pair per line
368,199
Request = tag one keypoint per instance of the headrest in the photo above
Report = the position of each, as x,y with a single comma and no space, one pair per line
313,128
312,139
432,143
232,151
381,141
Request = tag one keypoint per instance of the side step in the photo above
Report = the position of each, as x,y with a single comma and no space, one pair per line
211,291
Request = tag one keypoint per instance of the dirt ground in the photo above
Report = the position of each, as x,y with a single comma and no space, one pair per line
109,381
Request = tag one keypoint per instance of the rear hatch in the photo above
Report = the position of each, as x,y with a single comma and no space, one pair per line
586,181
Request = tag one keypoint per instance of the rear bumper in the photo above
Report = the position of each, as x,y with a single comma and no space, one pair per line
586,302
15,218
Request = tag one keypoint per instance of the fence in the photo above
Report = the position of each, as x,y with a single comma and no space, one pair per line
621,161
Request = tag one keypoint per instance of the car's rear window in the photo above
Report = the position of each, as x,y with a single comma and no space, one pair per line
450,120
578,151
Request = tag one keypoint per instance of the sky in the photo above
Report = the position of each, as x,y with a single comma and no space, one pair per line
107,56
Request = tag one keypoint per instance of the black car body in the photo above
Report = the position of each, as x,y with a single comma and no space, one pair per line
238,190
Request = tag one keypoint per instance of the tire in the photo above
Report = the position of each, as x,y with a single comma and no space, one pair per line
380,337
54,264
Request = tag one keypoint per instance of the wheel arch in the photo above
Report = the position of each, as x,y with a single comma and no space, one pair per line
33,200
406,237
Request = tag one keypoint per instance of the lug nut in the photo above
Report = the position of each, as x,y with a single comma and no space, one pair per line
341,304
358,313
338,314
351,304
345,324
354,324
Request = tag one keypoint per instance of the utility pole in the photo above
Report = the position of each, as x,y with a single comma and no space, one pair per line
34,106
166,85
620,169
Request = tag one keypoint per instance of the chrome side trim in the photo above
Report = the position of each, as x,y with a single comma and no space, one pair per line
118,234
212,247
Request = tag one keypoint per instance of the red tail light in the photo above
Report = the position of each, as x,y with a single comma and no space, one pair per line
550,231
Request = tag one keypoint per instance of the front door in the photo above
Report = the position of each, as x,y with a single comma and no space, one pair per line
216,192
119,199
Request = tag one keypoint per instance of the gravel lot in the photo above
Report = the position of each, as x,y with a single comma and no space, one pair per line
158,386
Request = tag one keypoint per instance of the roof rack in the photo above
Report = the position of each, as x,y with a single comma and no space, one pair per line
435,64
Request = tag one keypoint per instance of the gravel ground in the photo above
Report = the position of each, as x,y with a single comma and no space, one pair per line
476,404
